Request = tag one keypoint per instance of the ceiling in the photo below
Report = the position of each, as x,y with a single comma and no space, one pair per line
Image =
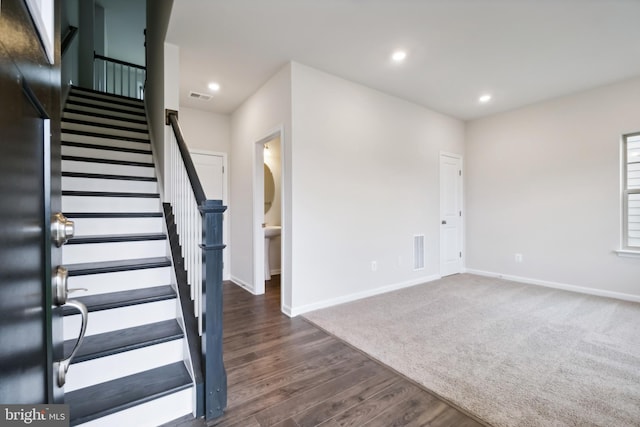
520,51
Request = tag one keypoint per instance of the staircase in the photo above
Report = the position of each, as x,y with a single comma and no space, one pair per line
129,369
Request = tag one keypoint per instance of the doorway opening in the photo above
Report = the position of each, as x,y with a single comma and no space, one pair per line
268,216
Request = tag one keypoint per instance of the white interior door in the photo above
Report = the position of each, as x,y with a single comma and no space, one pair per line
450,214
211,167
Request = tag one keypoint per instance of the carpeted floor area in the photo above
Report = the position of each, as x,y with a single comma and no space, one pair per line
509,353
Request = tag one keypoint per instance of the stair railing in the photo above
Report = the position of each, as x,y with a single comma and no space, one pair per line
199,226
118,77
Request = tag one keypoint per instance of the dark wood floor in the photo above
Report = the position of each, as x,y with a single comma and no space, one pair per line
288,373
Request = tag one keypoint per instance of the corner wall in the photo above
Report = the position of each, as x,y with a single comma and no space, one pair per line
544,181
268,109
158,14
365,179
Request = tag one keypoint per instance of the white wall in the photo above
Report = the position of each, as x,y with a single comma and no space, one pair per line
365,180
204,130
544,181
265,111
125,24
158,13
171,93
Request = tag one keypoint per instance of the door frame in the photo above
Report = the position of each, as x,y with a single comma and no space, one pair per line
461,237
226,275
258,214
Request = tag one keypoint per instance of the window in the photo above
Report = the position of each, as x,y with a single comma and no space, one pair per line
631,192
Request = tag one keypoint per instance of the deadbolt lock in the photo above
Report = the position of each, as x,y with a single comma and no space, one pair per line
62,229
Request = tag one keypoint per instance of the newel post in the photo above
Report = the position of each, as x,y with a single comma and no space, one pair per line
212,246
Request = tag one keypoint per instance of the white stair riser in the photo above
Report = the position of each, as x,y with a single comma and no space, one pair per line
106,168
120,318
109,204
99,252
107,97
70,183
104,226
150,414
105,120
120,365
103,130
106,103
120,280
106,141
96,153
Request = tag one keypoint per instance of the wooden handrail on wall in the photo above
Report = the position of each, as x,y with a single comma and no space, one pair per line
199,228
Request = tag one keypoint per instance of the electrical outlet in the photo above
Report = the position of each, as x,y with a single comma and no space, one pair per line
374,265
518,257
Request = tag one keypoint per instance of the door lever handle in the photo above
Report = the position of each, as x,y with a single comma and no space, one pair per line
63,365
61,289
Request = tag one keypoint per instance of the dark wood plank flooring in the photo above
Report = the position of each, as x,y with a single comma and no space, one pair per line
288,373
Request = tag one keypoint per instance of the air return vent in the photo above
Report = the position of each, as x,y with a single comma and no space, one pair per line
198,95
418,252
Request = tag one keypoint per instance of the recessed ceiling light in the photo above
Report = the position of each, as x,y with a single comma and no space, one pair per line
484,98
214,86
399,56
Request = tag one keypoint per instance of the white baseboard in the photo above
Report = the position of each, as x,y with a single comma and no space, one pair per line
556,285
275,271
296,311
286,310
246,286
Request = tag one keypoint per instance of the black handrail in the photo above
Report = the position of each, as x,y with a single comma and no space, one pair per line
71,34
117,61
213,399
196,186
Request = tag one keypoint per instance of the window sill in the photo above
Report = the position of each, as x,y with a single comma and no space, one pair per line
628,253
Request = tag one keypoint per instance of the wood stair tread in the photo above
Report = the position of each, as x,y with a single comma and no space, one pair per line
112,396
107,176
108,343
111,238
113,214
110,194
82,269
122,299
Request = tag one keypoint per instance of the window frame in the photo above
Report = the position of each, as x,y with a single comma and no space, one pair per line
626,192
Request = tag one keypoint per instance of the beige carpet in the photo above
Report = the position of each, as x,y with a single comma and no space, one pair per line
509,353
